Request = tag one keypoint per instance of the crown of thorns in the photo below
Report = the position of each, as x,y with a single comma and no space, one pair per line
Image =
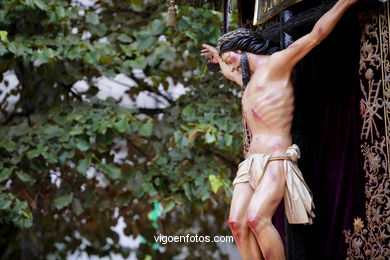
230,35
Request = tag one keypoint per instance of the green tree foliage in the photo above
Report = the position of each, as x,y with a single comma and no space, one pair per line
61,182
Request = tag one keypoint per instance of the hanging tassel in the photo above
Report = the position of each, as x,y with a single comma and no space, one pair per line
171,17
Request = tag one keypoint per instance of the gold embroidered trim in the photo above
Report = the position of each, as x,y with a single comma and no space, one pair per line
371,240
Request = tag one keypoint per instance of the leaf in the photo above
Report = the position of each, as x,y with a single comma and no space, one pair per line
105,60
34,153
60,12
139,63
77,207
122,125
166,53
184,142
82,144
188,113
145,41
66,155
50,157
191,35
158,27
151,60
41,5
182,25
25,177
228,139
24,223
62,201
42,56
100,29
210,138
215,183
52,131
83,165
5,173
76,131
146,129
187,190
125,38
92,18
74,52
9,145
5,204
92,57
138,7
12,48
177,136
111,170
19,207
2,50
3,35
169,207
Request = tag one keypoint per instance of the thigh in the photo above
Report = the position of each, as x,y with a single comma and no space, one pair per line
242,195
269,192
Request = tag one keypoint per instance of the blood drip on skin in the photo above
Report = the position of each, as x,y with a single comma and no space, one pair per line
268,255
255,114
236,234
233,59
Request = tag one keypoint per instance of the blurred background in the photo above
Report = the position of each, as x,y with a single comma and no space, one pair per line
113,131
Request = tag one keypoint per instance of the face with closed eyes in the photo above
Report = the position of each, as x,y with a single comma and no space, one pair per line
232,59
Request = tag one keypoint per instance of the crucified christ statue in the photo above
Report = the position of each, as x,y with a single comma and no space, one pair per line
269,171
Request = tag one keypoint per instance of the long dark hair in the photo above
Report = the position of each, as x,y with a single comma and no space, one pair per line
245,40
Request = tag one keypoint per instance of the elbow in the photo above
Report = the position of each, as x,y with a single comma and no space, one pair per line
318,34
230,78
316,38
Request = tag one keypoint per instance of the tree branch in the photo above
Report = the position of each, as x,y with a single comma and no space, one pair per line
69,89
151,111
139,150
145,87
226,160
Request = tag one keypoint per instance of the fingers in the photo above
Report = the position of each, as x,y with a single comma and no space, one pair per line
208,47
210,53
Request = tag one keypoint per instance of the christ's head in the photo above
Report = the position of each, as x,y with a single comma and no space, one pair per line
233,47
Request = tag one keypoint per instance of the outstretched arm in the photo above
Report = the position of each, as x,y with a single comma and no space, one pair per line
212,56
285,60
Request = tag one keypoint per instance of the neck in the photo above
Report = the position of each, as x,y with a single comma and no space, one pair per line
256,61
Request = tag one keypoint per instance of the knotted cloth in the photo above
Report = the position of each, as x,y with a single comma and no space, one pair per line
298,199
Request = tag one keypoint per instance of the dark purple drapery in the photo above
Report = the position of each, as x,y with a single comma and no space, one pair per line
327,128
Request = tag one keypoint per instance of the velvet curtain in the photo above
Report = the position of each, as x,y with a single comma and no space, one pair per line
327,128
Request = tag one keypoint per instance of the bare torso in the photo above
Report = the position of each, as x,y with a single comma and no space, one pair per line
268,107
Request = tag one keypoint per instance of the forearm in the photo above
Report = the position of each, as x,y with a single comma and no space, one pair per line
328,21
227,72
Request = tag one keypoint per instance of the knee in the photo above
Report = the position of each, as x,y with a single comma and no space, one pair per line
258,223
234,224
238,227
